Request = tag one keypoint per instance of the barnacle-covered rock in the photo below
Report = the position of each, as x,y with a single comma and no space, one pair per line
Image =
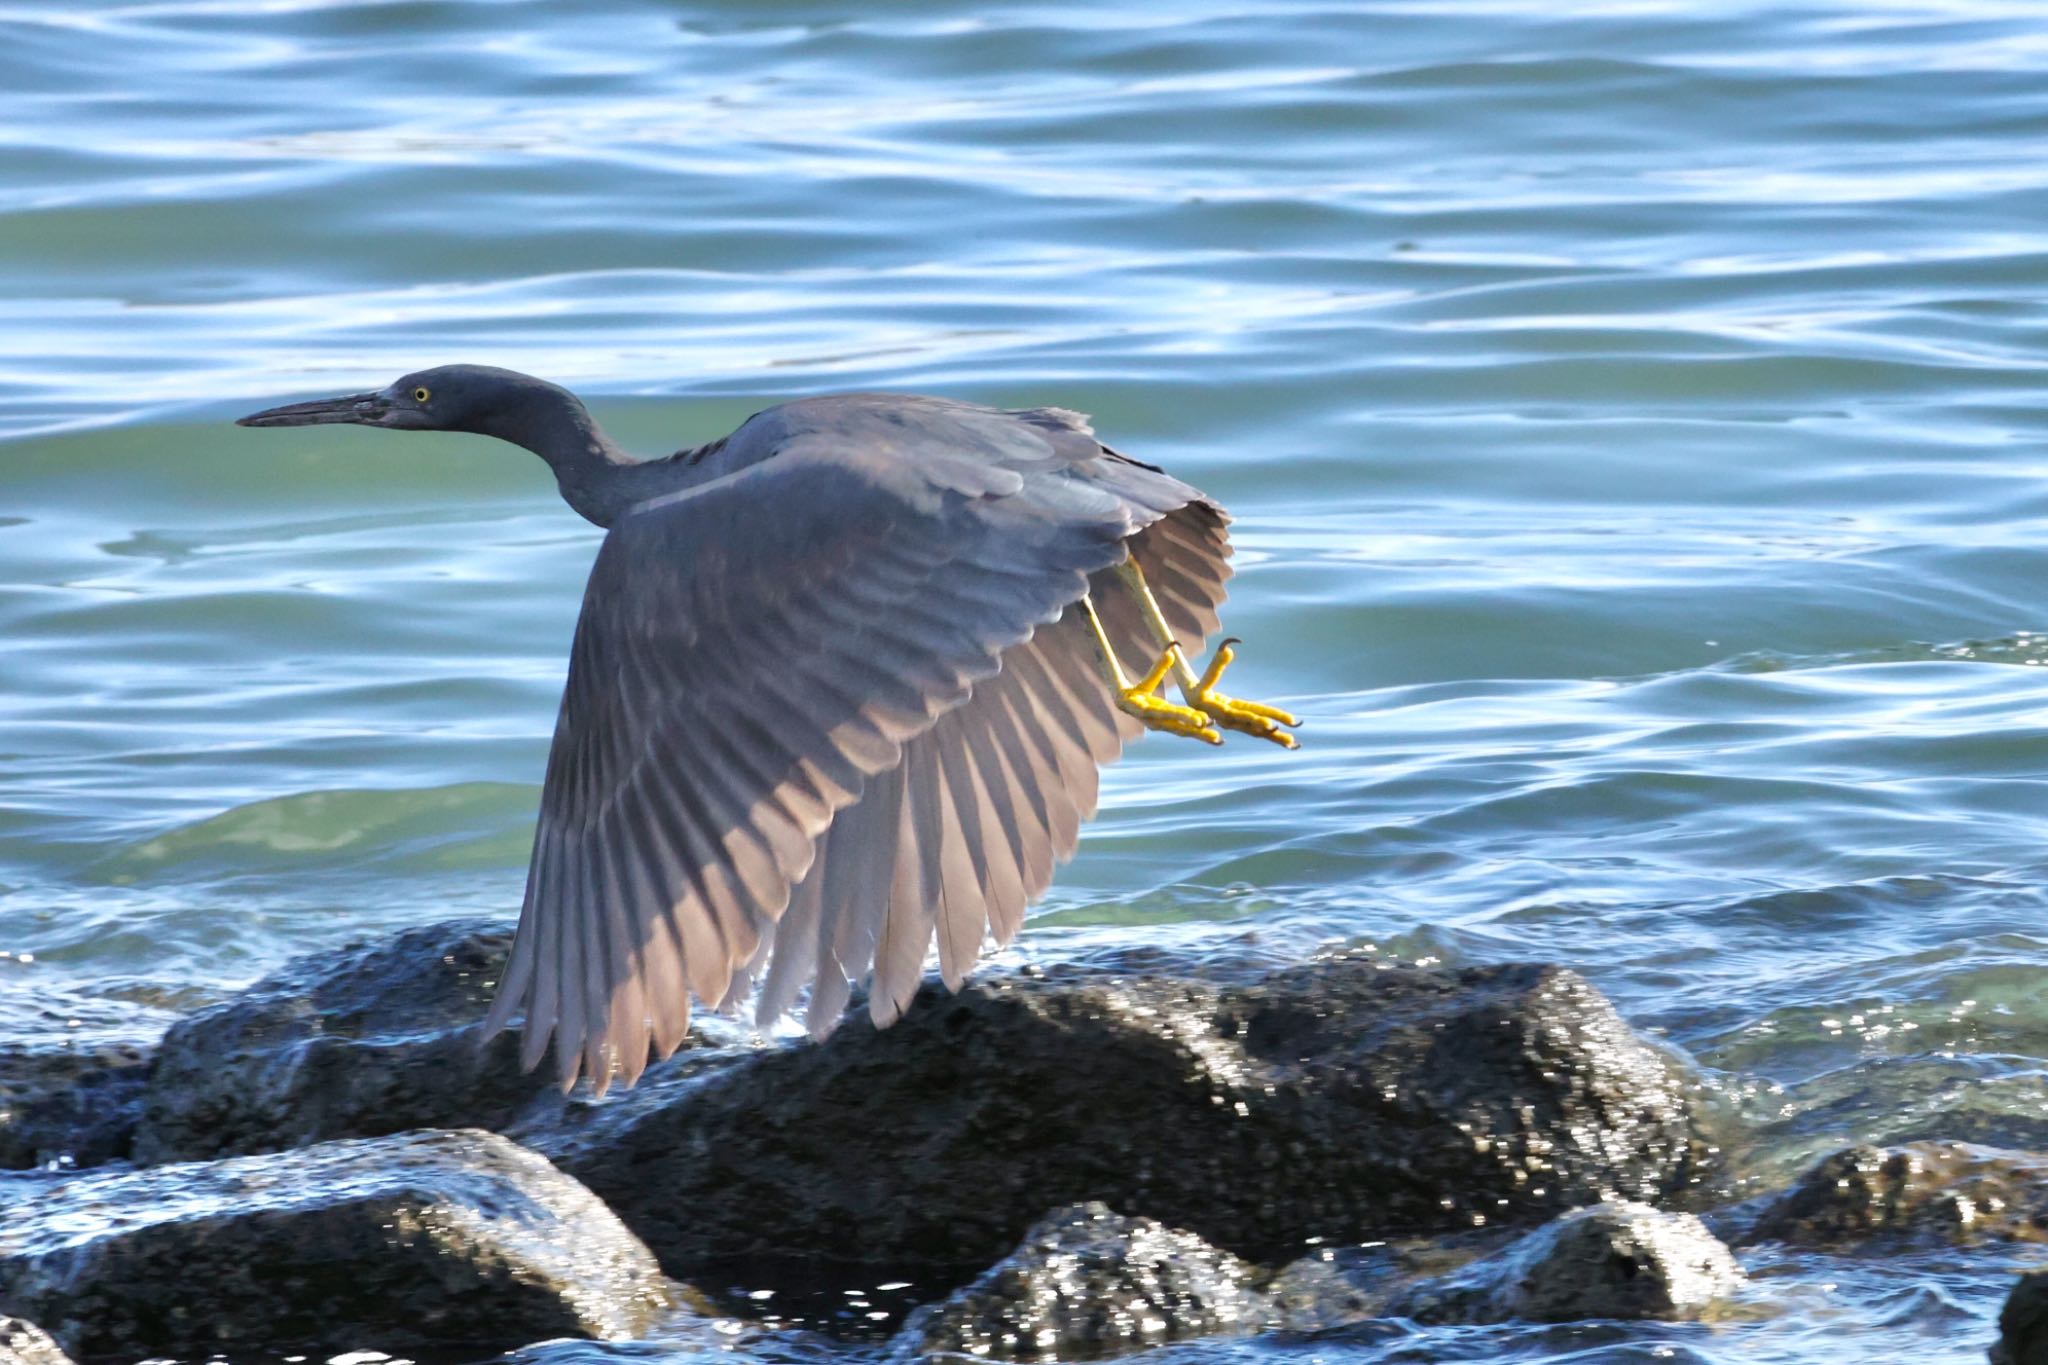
1952,1192
1086,1284
1615,1261
428,1240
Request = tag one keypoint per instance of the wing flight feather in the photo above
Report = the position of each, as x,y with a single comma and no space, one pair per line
825,707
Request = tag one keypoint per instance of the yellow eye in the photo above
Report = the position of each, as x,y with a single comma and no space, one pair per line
420,395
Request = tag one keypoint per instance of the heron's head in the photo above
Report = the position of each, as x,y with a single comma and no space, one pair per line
474,398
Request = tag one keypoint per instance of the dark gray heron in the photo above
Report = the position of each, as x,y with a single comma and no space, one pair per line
841,684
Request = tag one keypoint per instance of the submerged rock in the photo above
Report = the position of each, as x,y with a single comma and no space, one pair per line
1338,1099
2023,1324
374,1039
1317,1293
24,1343
1939,1191
429,1240
1617,1261
1086,1284
70,1107
1339,1286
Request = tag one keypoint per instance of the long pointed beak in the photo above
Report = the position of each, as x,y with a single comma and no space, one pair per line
366,409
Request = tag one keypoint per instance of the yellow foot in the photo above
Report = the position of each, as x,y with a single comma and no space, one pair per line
1247,717
1142,699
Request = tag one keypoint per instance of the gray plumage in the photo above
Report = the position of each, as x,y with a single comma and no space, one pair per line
826,703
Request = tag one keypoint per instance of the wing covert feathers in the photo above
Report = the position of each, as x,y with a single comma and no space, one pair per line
825,713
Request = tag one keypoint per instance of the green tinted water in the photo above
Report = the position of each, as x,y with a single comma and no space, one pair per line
1631,418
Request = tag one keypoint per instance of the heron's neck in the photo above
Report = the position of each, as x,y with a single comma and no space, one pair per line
597,479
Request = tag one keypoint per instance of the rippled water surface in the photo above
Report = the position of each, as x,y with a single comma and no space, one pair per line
1633,420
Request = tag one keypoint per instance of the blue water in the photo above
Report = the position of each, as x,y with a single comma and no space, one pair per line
1632,419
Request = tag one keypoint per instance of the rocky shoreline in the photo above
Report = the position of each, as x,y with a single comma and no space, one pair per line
1066,1165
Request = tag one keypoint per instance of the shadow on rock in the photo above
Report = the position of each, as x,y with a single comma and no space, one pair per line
1336,1099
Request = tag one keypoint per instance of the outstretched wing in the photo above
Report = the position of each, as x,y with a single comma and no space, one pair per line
960,837
753,653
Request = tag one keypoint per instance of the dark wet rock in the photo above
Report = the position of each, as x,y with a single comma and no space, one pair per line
427,1240
69,1107
1614,1261
1932,1191
24,1343
1088,1283
374,1039
2023,1324
1339,1099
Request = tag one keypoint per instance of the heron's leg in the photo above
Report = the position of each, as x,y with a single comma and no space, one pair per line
1249,717
1141,698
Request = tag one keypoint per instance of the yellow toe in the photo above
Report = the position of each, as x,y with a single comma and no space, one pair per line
1155,712
1247,717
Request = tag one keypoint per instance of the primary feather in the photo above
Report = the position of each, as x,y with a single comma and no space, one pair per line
826,704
